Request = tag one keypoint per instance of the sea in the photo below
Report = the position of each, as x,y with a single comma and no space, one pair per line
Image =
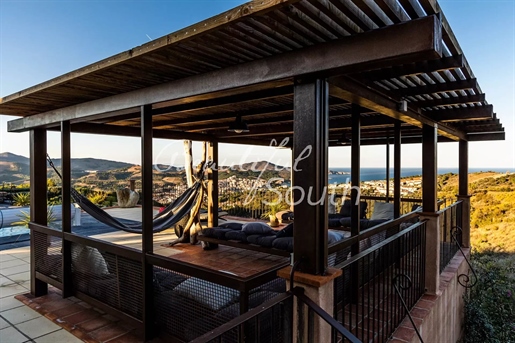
371,174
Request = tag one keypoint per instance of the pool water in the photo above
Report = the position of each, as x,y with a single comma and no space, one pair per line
13,231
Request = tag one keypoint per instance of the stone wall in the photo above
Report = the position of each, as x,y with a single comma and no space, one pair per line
439,318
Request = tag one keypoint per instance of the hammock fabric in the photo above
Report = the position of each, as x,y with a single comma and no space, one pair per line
166,219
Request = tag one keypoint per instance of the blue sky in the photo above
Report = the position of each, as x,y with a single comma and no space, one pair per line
40,40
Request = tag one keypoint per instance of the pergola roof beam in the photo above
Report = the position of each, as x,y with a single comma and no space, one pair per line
444,63
437,88
450,101
411,41
355,92
465,113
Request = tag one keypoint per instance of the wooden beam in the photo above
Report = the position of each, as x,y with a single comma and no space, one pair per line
464,113
38,206
496,136
453,100
66,221
248,9
463,160
397,138
358,93
445,63
437,88
212,185
210,104
429,169
402,43
310,173
147,243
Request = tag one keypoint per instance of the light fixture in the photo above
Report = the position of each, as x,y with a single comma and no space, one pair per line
344,140
238,126
402,106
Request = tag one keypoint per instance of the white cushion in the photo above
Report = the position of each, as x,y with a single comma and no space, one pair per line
382,210
88,260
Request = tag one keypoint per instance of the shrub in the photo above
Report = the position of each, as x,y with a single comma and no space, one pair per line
490,304
97,197
21,199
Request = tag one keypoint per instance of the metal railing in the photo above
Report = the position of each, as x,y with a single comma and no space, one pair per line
449,217
364,296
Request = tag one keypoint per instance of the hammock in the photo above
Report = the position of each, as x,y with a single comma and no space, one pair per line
166,219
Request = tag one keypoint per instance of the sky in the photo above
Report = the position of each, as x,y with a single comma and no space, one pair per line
40,40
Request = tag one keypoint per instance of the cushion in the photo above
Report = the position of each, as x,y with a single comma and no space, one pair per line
334,236
345,210
164,280
257,228
285,243
236,235
88,260
286,231
382,210
263,241
231,225
215,232
211,295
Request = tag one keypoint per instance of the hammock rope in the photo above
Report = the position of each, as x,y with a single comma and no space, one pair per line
164,220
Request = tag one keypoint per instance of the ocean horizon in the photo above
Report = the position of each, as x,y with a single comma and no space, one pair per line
372,174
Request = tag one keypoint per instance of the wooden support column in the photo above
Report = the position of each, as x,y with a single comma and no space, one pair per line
147,216
397,170
212,186
310,147
429,198
388,168
66,206
355,174
38,205
463,192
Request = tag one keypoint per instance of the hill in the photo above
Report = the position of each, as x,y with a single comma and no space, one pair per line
492,208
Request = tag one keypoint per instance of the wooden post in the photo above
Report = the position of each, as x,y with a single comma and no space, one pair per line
212,186
463,192
310,147
429,198
38,204
147,245
355,215
188,163
66,205
387,167
397,171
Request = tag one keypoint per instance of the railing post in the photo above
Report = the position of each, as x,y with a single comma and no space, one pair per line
212,185
318,288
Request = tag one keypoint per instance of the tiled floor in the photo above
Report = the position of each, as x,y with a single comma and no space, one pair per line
19,323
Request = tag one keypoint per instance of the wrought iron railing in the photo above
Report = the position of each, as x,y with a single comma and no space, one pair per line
450,217
364,296
402,282
463,279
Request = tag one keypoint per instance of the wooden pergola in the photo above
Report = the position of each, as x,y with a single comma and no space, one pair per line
382,72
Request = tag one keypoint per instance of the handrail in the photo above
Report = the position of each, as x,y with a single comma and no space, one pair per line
372,231
465,277
454,204
397,284
379,245
299,293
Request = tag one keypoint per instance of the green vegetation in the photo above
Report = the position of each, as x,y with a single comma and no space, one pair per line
490,304
25,217
21,199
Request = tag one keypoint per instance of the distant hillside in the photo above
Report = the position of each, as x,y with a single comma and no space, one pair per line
12,158
84,164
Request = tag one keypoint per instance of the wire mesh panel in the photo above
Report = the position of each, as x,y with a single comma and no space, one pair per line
48,255
365,301
187,307
111,279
